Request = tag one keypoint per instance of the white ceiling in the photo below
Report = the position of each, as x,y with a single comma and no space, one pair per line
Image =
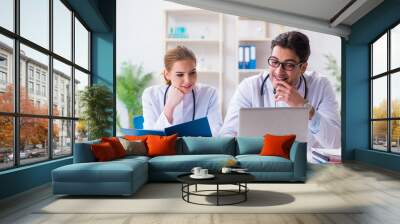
320,9
326,16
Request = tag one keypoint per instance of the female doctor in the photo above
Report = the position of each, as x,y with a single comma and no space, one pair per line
286,84
181,99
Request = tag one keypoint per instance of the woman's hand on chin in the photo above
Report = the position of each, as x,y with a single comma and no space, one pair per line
174,97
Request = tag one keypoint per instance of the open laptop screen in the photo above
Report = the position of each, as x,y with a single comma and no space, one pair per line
276,121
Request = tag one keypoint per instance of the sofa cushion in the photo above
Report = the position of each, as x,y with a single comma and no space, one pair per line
129,159
112,171
135,138
136,147
249,145
116,145
103,151
277,145
161,145
203,145
257,163
185,163
93,172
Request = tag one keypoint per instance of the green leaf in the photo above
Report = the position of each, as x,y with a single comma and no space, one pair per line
131,82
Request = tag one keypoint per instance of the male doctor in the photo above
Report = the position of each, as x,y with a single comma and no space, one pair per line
286,84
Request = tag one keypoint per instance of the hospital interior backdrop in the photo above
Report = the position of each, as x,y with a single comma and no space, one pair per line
145,31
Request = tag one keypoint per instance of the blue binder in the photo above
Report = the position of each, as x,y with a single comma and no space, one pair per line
252,62
247,56
241,57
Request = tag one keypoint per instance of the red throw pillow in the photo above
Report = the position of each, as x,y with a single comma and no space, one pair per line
161,145
116,145
277,145
103,151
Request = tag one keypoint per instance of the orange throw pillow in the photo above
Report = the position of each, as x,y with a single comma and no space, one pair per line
161,145
116,145
277,145
135,138
103,151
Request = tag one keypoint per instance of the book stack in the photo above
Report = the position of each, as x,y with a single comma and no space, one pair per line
326,155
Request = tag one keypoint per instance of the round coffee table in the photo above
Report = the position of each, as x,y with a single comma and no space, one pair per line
238,179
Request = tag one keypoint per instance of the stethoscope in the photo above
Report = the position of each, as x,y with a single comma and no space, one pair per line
194,100
302,78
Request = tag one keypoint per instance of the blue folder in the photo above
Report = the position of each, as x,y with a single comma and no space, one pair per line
195,128
140,132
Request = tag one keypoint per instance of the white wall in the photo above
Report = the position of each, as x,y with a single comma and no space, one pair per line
140,35
139,39
322,44
230,60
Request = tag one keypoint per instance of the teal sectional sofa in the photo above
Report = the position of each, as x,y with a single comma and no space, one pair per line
125,176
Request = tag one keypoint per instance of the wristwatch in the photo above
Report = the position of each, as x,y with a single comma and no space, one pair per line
310,108
307,105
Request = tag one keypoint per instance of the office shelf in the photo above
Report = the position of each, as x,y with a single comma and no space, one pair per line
204,36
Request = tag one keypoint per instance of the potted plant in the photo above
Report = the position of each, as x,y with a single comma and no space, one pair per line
96,102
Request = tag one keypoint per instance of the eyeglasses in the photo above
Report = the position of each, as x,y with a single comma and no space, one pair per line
287,66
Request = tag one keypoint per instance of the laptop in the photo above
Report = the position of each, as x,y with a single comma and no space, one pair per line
276,121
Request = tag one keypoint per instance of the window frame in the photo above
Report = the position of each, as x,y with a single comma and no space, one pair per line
16,114
388,74
3,77
5,58
3,71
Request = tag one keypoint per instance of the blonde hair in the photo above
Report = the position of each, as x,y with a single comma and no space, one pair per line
173,55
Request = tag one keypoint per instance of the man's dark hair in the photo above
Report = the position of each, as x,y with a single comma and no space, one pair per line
296,41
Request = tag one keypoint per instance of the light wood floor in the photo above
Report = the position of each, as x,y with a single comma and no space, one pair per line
378,188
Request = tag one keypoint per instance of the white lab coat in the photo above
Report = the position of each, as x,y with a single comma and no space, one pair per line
324,127
206,106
